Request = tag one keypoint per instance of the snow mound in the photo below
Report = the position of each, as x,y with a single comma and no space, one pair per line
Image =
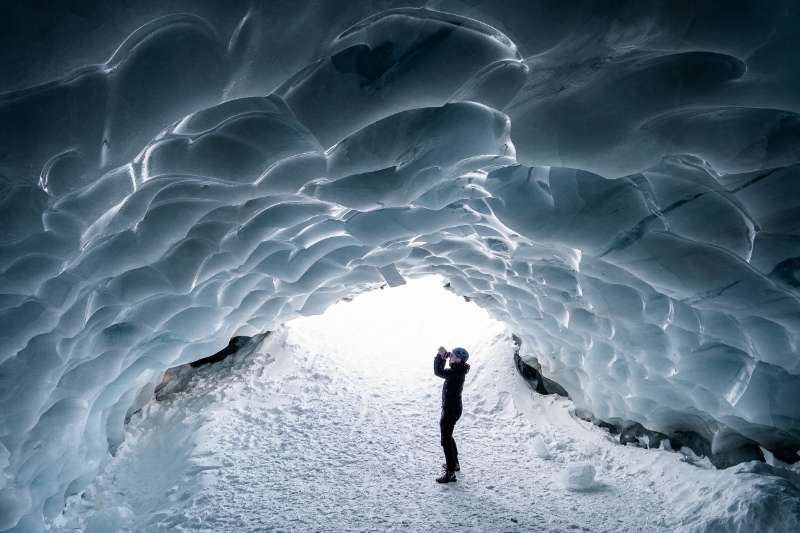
755,497
154,203
540,447
579,477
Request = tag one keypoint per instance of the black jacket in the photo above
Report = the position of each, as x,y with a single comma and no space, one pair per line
453,383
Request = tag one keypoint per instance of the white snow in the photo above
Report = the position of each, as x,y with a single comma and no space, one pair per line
346,439
540,447
579,477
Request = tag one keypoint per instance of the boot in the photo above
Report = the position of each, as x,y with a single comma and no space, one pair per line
458,467
447,477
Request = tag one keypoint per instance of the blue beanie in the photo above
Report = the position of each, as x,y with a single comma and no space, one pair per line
461,353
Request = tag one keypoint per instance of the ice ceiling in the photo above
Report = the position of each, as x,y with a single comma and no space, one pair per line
617,182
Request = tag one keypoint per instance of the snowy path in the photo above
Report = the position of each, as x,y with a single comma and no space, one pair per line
316,449
285,440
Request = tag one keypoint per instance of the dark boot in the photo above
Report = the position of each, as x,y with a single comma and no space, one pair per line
447,477
458,467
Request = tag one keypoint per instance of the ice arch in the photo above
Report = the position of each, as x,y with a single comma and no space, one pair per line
545,175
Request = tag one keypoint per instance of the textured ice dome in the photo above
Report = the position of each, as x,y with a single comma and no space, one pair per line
618,183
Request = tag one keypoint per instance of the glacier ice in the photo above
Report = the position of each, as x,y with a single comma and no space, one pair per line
621,190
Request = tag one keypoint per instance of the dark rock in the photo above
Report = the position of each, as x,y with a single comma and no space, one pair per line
517,342
233,345
742,454
729,447
638,434
554,388
613,429
692,440
178,378
788,454
537,381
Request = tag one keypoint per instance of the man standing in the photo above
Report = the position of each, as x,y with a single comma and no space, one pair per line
451,405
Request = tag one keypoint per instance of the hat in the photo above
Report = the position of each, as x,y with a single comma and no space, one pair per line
461,353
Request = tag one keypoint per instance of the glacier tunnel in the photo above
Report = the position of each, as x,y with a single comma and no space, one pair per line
617,183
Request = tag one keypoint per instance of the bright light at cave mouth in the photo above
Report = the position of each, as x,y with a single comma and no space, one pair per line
391,334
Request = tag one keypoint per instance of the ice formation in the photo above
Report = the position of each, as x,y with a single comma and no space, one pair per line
618,183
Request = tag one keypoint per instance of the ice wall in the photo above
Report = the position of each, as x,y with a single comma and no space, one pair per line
617,183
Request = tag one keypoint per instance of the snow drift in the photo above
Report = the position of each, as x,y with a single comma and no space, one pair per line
619,188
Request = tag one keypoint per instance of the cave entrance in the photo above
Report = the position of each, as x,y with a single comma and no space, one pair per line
389,336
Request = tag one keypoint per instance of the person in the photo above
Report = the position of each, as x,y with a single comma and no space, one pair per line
451,405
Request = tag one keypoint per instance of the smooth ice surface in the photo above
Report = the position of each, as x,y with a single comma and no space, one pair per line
616,182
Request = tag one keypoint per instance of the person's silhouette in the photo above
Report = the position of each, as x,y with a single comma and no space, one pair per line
451,405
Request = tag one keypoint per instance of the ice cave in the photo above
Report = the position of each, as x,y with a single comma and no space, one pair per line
600,200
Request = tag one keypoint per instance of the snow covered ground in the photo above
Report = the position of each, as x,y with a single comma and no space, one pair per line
296,437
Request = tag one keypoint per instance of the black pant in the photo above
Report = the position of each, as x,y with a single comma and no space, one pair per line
446,425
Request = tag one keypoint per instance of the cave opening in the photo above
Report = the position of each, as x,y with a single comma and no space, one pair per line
390,334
